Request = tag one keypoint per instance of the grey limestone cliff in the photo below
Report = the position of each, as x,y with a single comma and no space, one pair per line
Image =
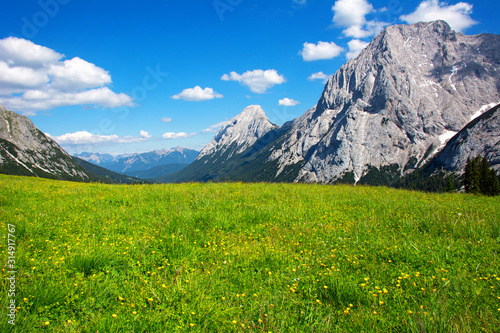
25,150
237,135
410,90
480,137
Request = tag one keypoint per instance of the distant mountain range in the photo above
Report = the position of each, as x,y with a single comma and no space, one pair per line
143,165
26,151
101,174
390,110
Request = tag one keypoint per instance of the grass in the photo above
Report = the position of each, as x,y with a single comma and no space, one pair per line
234,257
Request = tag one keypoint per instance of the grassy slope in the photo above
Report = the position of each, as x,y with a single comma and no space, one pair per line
249,257
103,174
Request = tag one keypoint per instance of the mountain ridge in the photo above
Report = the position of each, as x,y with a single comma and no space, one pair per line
130,164
25,150
396,105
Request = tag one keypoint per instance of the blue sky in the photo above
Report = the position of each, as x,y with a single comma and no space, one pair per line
136,76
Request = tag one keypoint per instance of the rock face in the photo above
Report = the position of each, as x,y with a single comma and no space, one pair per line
25,150
408,91
480,137
237,135
221,158
389,110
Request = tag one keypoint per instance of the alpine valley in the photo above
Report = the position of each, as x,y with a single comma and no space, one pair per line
419,100
27,151
144,165
383,115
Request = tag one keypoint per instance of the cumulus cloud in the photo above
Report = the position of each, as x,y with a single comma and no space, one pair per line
288,102
34,77
77,73
351,14
457,16
197,94
355,47
319,76
258,81
370,28
86,138
177,135
319,51
145,135
21,52
166,119
48,98
215,127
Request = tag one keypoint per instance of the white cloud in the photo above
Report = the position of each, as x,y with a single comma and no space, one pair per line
257,80
319,51
77,74
197,94
145,135
215,127
33,77
370,28
319,76
86,138
457,16
22,52
19,79
288,102
351,14
49,98
177,135
166,119
355,47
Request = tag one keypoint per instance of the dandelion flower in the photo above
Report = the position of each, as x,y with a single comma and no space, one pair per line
47,323
114,315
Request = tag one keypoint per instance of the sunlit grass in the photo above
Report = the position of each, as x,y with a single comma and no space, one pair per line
249,257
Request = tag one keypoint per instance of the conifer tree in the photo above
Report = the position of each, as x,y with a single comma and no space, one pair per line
479,178
468,176
494,183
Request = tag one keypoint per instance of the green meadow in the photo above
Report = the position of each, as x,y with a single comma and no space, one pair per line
237,257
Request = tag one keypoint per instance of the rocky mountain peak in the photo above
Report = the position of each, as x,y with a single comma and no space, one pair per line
25,150
397,103
239,133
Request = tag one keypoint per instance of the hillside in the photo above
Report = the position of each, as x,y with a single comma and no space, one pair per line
25,150
480,137
249,257
104,175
